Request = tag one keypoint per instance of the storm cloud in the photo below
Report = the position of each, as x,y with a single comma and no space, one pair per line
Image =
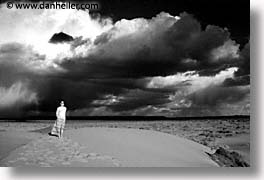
60,38
163,45
165,65
242,75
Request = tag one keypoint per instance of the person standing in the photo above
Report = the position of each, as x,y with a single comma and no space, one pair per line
60,122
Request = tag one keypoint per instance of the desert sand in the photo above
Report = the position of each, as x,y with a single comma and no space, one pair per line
11,141
143,148
106,147
124,143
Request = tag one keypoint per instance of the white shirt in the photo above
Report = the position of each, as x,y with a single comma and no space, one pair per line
61,112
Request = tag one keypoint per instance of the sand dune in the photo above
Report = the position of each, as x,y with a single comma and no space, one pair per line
117,144
142,148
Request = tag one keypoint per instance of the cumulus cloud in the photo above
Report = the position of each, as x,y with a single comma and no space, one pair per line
190,79
36,27
140,66
24,58
242,75
196,95
163,45
228,50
